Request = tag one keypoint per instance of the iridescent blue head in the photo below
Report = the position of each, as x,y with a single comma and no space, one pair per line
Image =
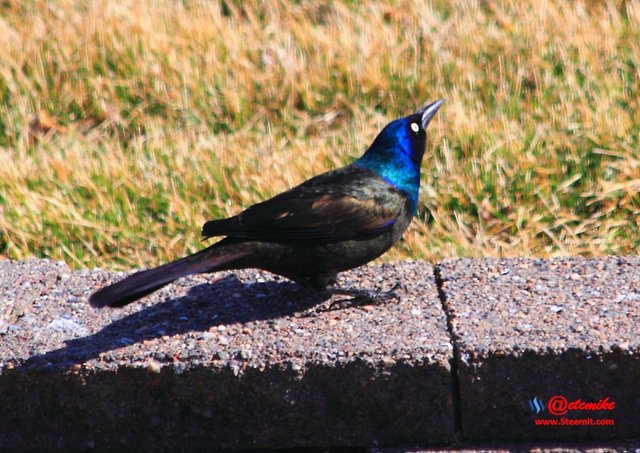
396,153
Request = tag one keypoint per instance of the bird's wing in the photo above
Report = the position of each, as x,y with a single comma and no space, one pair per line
310,213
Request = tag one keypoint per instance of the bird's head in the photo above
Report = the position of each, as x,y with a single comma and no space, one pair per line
396,153
408,135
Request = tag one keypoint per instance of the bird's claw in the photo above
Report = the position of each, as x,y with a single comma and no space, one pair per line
360,298
399,285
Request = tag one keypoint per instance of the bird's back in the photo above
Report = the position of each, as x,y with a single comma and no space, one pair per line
344,204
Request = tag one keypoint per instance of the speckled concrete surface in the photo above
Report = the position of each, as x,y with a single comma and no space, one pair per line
232,360
526,328
245,360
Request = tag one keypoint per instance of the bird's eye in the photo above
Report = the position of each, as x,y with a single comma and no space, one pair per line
415,128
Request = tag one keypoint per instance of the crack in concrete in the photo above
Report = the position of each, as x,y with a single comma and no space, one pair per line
455,380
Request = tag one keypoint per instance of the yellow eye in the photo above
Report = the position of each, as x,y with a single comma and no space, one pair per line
414,127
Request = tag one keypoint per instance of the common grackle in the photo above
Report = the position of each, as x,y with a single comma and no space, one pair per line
333,222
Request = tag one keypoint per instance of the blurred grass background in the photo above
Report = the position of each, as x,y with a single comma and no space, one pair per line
124,125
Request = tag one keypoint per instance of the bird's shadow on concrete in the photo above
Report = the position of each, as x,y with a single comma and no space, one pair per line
227,301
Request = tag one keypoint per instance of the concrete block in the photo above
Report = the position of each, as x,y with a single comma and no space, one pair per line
528,328
230,360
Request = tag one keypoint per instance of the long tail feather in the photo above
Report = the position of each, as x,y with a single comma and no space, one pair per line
143,283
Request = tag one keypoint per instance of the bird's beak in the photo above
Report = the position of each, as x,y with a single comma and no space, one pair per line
429,111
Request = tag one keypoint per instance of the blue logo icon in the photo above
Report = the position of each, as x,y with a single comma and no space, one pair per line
536,405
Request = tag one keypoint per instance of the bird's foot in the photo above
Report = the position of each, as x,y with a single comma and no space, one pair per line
361,297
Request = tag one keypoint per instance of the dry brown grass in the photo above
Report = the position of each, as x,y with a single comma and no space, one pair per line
157,115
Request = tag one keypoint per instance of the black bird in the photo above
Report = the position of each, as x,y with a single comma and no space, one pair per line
333,222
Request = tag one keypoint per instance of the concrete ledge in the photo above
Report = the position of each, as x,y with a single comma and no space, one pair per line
243,360
238,360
